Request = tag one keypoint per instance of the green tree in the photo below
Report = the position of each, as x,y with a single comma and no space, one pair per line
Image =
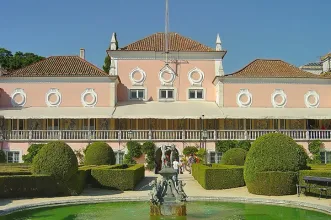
19,60
107,61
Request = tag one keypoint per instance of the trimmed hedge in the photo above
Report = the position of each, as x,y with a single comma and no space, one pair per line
234,156
273,152
117,178
218,176
99,153
27,186
274,183
56,159
15,169
323,172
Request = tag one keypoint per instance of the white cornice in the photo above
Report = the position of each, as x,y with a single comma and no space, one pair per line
272,80
173,55
57,79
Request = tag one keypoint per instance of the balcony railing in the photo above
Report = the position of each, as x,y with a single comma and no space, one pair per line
159,135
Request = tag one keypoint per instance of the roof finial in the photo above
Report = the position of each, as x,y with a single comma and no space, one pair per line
218,43
113,41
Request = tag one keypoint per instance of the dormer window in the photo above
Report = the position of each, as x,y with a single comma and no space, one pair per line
137,94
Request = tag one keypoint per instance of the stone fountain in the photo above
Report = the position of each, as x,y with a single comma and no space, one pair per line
167,197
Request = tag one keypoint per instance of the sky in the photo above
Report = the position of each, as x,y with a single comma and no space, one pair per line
296,31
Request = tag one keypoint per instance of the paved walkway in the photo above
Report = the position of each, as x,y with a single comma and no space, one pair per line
192,189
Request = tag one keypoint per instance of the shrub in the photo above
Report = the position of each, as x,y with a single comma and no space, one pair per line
274,183
27,186
234,156
149,149
314,148
32,152
99,153
303,158
223,146
244,144
272,152
77,182
201,155
134,151
117,178
56,159
2,157
190,150
218,176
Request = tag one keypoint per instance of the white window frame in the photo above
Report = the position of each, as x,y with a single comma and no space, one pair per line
20,160
138,88
218,156
196,88
118,153
174,94
325,157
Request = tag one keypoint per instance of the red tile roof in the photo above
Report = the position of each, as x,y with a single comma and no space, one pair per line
177,42
264,68
63,66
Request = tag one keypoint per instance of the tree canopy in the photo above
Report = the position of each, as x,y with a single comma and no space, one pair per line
11,62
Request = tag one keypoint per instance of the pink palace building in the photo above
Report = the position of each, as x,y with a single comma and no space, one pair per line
181,97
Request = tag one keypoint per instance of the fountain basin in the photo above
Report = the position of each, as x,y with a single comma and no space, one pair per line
168,209
195,210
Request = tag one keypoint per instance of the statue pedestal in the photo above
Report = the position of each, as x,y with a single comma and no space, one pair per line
168,209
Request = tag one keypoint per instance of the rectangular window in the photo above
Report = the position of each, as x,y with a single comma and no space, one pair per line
137,94
282,124
325,157
53,124
166,94
119,157
13,156
275,124
89,124
196,94
215,157
17,124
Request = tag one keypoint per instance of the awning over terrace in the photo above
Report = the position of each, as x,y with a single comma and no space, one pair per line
276,113
61,112
168,110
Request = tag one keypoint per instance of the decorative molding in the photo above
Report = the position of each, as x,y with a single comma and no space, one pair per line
140,81
23,97
58,95
94,95
282,94
244,92
315,95
196,82
159,55
167,69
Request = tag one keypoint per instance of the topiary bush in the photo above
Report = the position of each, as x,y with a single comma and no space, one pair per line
32,152
99,153
2,157
270,154
234,156
56,159
303,158
190,150
225,145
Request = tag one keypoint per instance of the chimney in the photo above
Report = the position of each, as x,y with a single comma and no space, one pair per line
82,53
326,62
